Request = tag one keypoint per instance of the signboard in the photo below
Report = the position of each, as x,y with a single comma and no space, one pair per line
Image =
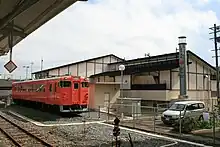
10,66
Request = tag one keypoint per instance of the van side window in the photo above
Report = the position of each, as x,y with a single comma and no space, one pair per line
189,107
192,107
201,106
76,85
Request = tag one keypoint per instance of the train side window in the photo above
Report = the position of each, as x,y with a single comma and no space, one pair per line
76,85
50,88
55,87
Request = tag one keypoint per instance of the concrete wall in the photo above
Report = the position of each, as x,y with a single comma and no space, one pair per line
157,95
143,79
54,72
63,71
73,70
99,93
126,81
165,77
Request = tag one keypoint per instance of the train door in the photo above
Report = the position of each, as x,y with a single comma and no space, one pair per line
84,93
51,93
55,90
76,93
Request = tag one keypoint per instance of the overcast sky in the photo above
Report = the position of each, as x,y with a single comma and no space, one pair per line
126,28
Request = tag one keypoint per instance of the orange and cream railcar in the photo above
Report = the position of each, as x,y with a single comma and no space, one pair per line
66,93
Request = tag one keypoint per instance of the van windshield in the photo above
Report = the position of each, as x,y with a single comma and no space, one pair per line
177,107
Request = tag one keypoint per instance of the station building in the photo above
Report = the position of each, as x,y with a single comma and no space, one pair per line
154,79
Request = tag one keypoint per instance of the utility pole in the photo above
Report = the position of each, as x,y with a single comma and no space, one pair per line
41,66
215,30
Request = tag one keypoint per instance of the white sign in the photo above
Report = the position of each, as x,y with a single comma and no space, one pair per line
10,66
206,116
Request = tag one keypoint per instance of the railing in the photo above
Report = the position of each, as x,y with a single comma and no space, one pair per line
150,119
148,87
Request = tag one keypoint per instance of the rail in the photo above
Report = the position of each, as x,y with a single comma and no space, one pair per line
15,140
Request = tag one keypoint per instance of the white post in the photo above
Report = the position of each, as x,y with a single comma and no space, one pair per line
26,68
121,68
32,69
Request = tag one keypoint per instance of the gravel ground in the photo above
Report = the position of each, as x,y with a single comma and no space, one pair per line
101,135
48,118
5,142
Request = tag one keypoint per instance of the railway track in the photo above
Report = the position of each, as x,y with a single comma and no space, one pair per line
20,136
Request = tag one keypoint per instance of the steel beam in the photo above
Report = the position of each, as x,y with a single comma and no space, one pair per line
17,31
21,7
6,32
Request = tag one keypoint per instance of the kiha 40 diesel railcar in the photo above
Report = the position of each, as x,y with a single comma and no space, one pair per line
65,93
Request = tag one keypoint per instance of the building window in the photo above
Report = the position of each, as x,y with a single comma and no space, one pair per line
212,77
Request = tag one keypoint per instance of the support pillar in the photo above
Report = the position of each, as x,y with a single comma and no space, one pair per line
10,39
182,66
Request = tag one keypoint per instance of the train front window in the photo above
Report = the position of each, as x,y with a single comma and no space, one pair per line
85,84
76,85
65,84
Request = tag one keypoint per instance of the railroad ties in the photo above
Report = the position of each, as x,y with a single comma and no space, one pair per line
20,136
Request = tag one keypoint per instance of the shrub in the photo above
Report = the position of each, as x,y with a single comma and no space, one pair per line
203,125
188,124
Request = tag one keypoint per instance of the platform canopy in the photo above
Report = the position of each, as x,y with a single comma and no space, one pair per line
25,16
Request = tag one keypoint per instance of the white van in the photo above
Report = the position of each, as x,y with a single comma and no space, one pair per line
186,108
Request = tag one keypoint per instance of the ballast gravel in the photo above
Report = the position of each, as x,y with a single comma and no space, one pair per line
99,135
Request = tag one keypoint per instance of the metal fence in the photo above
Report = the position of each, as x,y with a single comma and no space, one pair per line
149,118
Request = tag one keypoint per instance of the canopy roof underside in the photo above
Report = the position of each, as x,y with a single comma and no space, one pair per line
25,16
